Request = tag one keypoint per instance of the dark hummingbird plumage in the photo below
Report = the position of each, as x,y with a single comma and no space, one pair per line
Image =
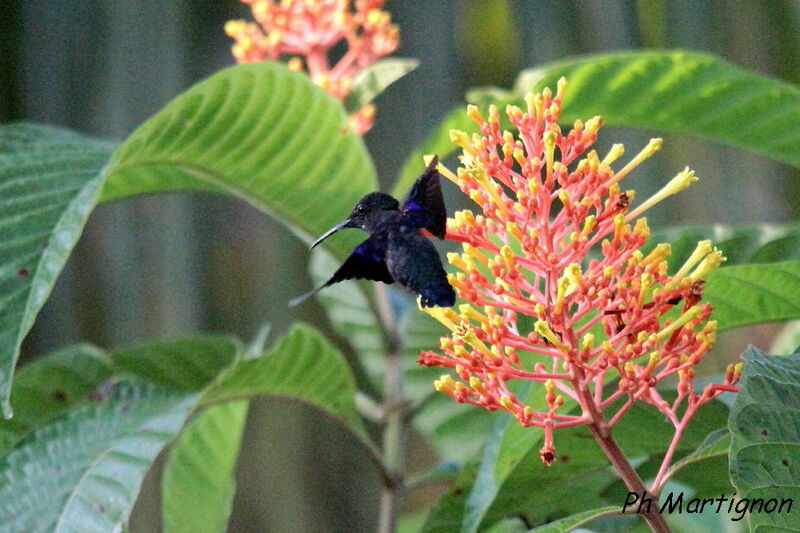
396,249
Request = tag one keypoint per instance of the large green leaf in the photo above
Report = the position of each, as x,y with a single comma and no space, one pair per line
260,132
83,471
684,92
198,484
303,366
676,91
47,387
751,294
765,445
49,183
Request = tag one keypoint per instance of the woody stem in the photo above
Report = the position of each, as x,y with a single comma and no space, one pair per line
602,434
394,420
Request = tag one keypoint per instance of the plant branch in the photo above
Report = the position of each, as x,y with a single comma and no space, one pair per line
602,434
394,403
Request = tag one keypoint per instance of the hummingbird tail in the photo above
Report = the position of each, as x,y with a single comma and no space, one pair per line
303,297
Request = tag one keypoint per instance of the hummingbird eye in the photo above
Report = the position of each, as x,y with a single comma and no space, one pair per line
361,209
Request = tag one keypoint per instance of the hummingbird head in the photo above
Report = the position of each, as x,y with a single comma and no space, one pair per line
366,215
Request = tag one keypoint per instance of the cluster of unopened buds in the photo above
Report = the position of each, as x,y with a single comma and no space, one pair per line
558,241
304,32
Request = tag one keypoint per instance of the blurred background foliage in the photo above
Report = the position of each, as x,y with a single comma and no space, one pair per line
169,265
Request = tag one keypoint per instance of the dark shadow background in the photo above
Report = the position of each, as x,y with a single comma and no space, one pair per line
170,265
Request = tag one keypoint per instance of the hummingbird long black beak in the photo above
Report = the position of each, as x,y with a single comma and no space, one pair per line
337,227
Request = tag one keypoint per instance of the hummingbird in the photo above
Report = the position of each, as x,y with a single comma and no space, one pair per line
396,249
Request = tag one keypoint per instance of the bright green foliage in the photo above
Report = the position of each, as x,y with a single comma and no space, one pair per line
749,294
257,131
303,366
83,471
765,448
49,183
198,484
677,91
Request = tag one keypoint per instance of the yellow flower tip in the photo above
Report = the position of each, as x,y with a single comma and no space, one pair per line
615,153
737,370
549,385
474,113
506,402
475,384
462,139
678,183
542,328
593,124
538,309
445,384
682,180
709,263
587,343
688,315
295,64
234,27
549,139
561,87
655,358
628,367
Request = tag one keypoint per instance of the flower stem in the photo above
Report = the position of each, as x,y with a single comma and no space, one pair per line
632,480
394,431
602,434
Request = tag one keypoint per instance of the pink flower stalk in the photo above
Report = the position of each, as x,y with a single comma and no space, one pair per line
307,30
596,317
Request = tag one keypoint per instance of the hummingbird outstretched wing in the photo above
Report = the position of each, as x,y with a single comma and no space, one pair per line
366,261
424,206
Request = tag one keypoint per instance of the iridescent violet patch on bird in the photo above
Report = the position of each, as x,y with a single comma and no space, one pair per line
594,318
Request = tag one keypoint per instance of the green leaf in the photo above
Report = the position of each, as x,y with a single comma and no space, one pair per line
677,91
764,243
765,445
198,483
47,387
83,471
260,132
570,523
185,364
373,80
49,183
303,366
751,294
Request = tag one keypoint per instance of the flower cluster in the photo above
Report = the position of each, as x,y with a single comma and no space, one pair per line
306,30
558,241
